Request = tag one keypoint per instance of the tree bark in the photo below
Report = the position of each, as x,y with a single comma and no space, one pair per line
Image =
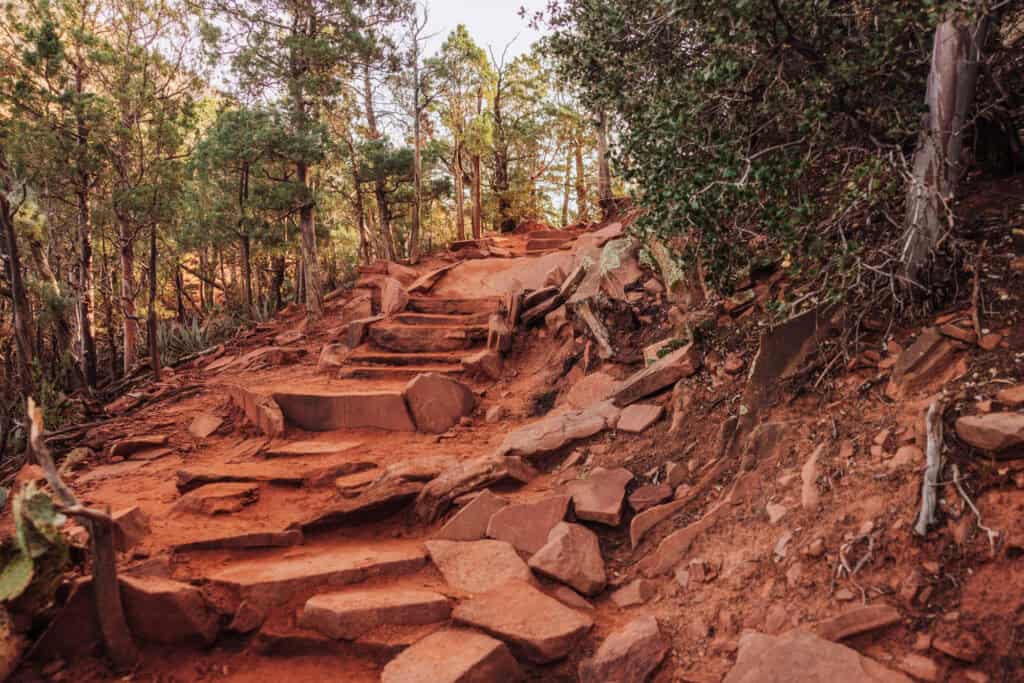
478,178
460,189
952,83
604,174
379,191
152,332
85,295
130,326
417,157
567,187
243,241
19,299
582,209
278,281
179,294
311,265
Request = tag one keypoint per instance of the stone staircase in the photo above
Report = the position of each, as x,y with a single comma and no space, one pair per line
432,334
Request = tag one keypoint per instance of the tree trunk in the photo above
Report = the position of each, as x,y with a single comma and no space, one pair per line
278,281
379,191
417,157
567,187
460,189
310,263
952,82
130,327
604,174
478,178
85,295
179,293
151,320
243,245
84,298
19,299
582,210
107,280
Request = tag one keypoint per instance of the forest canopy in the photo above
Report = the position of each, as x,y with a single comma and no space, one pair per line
172,170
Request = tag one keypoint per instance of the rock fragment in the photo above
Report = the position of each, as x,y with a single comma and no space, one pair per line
598,498
572,555
453,656
527,526
629,655
477,566
535,626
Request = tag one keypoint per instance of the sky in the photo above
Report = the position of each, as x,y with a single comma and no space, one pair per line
492,23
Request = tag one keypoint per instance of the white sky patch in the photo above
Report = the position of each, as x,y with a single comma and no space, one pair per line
492,23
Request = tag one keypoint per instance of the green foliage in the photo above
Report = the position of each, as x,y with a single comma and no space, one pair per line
753,127
36,556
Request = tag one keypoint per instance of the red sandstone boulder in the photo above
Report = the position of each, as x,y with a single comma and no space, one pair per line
453,656
470,523
164,611
477,566
572,555
527,526
628,655
535,626
639,416
800,657
598,498
662,373
393,298
437,402
998,433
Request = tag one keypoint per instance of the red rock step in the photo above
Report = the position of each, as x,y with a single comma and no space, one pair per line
406,359
405,372
410,338
425,304
277,579
441,318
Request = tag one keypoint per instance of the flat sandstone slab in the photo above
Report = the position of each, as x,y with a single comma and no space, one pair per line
276,580
385,410
352,613
535,625
453,656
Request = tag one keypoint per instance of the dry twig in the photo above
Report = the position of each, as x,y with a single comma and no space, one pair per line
109,609
933,453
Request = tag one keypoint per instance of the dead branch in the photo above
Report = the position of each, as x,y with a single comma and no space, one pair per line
109,610
933,453
976,292
993,535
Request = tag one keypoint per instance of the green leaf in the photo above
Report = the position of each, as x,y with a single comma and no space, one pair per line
15,576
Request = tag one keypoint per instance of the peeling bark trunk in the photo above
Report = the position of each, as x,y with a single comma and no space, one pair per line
85,296
130,326
582,210
151,320
19,299
604,174
311,265
460,189
567,187
952,83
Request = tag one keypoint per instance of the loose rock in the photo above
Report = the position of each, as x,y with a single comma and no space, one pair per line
638,417
437,402
572,555
536,626
628,655
800,657
453,656
470,523
598,498
527,526
477,566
